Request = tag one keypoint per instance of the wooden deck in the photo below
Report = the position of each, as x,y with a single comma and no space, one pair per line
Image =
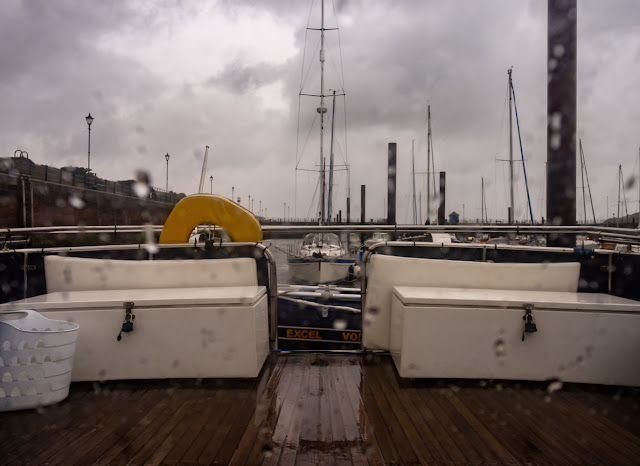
327,409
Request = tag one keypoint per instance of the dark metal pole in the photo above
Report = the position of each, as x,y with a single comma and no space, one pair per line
167,185
348,210
89,152
561,118
391,185
362,203
441,208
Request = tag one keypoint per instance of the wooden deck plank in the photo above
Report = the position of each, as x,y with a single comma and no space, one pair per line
316,425
355,410
175,436
386,442
91,449
352,377
436,450
343,447
498,426
222,430
590,408
506,421
543,425
442,434
598,441
289,401
432,400
219,408
502,454
197,422
170,401
465,429
129,433
264,417
523,436
163,437
18,436
47,452
405,420
290,445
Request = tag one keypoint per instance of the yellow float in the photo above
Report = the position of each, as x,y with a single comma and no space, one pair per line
197,209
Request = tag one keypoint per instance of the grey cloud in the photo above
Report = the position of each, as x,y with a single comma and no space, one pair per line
240,78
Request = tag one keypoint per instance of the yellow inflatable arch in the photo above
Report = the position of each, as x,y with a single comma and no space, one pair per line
197,209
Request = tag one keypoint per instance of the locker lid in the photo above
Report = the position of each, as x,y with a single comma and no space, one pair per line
420,295
232,295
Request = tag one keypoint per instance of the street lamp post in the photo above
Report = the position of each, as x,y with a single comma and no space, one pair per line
249,206
233,188
166,157
211,178
89,119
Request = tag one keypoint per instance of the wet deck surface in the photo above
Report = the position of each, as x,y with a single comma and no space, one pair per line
327,409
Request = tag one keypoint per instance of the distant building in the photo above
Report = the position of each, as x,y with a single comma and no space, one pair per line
454,218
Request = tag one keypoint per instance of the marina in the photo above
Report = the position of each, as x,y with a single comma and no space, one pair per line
139,325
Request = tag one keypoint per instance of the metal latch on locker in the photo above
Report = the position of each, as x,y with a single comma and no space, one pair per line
529,325
127,325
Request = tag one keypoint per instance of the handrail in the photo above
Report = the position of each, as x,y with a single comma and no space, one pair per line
358,228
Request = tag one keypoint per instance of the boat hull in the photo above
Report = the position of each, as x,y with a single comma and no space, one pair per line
316,271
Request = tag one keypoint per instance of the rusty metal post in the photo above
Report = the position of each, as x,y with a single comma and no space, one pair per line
561,117
362,203
441,207
391,185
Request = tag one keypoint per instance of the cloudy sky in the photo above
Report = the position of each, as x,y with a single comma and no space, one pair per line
173,76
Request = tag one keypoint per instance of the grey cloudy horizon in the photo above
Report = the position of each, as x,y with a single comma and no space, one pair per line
171,77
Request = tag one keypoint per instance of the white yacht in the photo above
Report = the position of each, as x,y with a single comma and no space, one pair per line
320,258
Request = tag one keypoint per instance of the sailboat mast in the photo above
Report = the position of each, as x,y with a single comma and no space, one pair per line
586,175
333,115
482,203
584,200
638,187
510,214
429,163
413,180
322,110
619,183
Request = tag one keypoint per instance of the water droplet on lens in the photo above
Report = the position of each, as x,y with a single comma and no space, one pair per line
340,324
141,189
76,202
554,386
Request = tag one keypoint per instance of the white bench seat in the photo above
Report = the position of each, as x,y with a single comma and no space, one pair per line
477,333
177,333
383,273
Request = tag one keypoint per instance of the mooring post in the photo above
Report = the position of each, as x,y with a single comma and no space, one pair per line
561,118
391,185
441,207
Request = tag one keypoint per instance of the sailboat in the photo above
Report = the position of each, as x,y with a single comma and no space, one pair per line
321,257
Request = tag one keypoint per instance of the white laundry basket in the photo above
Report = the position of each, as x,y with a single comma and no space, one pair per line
36,358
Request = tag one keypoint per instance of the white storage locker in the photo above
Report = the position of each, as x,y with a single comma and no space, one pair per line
177,332
478,333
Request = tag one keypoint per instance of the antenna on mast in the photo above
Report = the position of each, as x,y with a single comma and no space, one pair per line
204,170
